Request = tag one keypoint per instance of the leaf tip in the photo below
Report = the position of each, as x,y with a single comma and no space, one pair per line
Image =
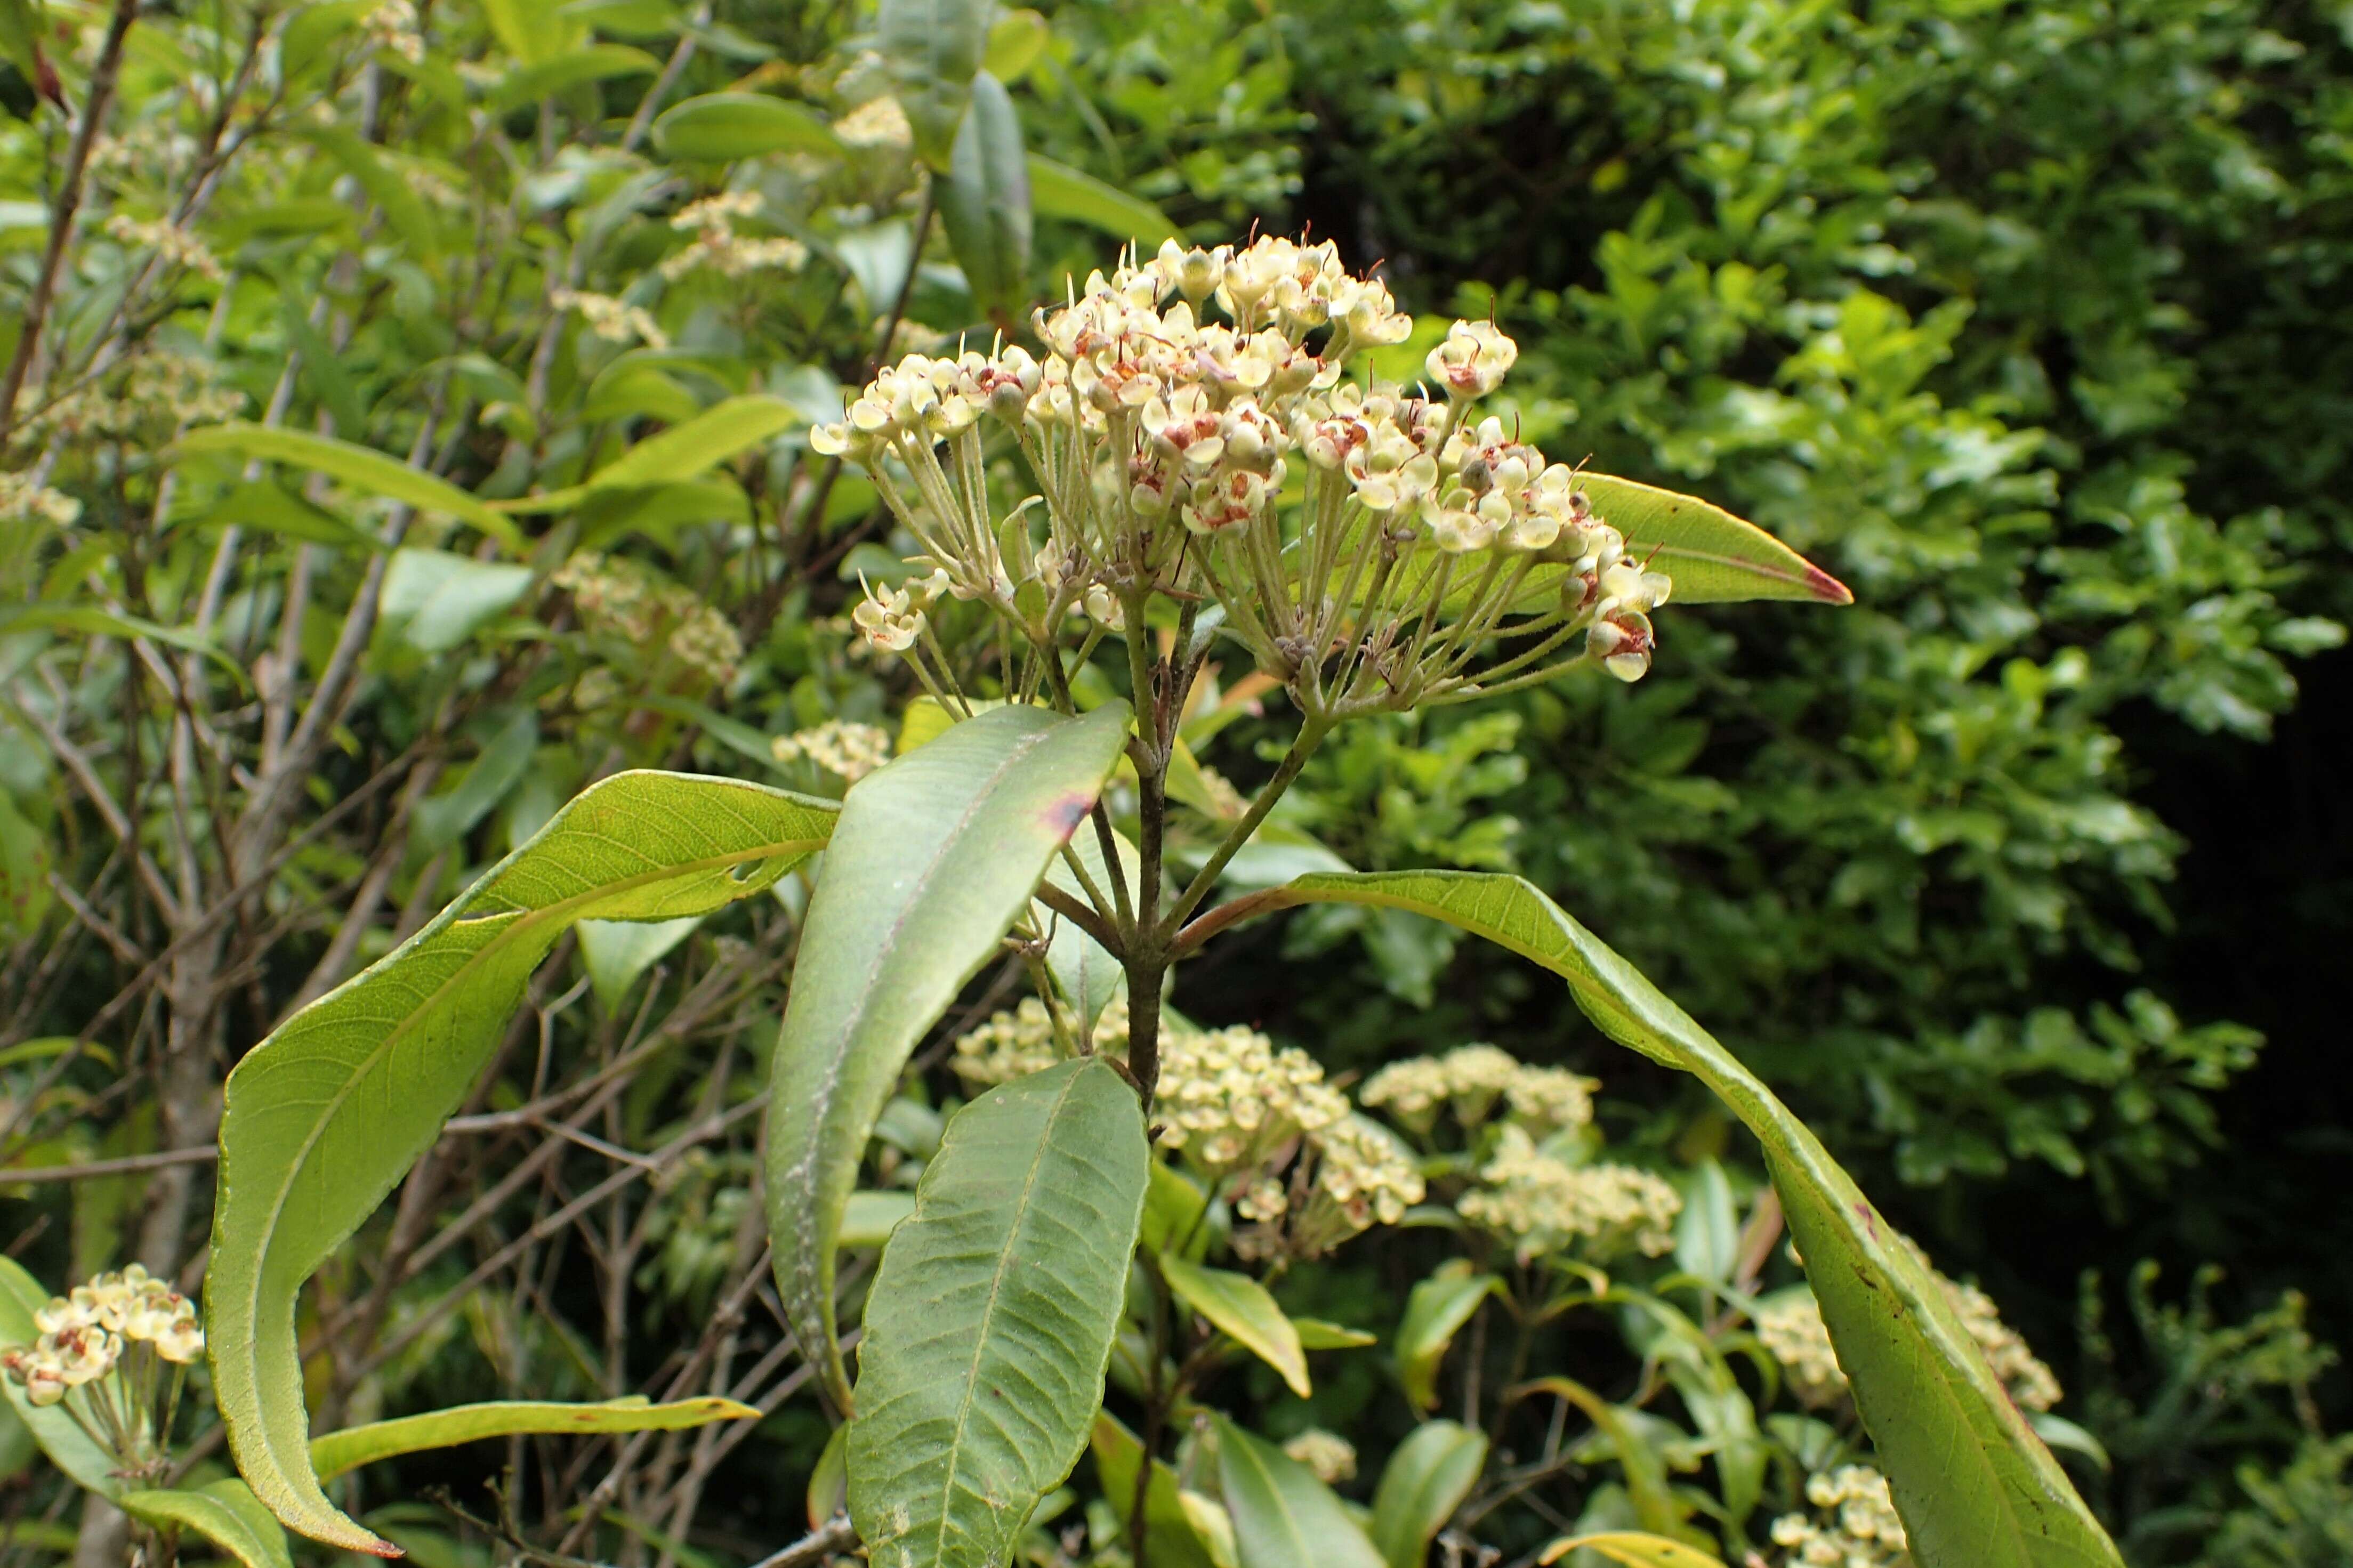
1827,588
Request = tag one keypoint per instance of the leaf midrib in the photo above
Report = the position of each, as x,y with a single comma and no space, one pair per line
528,920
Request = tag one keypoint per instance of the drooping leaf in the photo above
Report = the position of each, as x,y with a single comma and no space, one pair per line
615,953
1056,190
323,1118
61,1437
362,468
1283,1516
337,1452
985,202
934,48
935,856
991,1318
91,621
1435,1311
1633,1549
1178,1531
720,127
1240,1307
1315,1334
1977,1489
225,1513
1713,556
1424,1482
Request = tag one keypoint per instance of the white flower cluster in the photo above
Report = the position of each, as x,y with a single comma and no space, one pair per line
1542,1203
616,320
619,597
717,245
1794,1332
1857,1526
1472,1081
157,392
23,499
86,1334
1008,1046
880,121
392,26
177,246
849,752
1163,423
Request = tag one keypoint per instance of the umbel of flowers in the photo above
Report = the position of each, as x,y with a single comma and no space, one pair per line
113,1353
1203,428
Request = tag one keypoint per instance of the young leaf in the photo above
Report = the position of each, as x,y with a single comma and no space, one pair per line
1015,39
323,1118
1714,556
985,202
1633,1549
935,856
1240,1307
991,1318
720,127
1422,1485
1056,190
1977,1489
934,48
359,466
1435,1311
348,1449
1285,1517
225,1513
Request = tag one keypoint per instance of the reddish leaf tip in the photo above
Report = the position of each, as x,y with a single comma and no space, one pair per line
1827,588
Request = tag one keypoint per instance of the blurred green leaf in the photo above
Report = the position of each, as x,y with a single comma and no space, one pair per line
984,203
1056,190
1424,1482
721,127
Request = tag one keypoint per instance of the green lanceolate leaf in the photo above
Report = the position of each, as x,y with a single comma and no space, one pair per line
1633,1549
61,1437
1083,969
1240,1307
1712,555
1435,1311
1056,190
577,68
1422,1485
225,1513
362,468
991,1318
1181,1528
720,127
936,855
1645,1470
1975,1487
1285,1517
323,1118
348,1449
985,202
934,48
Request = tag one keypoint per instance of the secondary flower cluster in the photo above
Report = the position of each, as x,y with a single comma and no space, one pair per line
111,1338
1197,427
619,598
1472,1081
848,752
1543,1203
1857,1526
1793,1331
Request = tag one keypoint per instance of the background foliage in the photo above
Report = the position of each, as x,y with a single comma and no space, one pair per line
2024,878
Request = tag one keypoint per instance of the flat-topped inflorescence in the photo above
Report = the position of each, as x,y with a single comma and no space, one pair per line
1203,427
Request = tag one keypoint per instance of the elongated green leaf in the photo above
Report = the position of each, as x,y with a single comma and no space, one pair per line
348,1449
985,202
1422,1485
1714,556
869,1219
1056,190
1634,1550
991,1318
438,598
1315,1334
1015,39
61,1437
1285,1517
91,621
1435,1311
1645,1470
359,467
615,953
678,453
935,856
720,127
1240,1307
597,62
934,48
1181,1528
407,221
225,1513
1975,1487
323,1118
1083,969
